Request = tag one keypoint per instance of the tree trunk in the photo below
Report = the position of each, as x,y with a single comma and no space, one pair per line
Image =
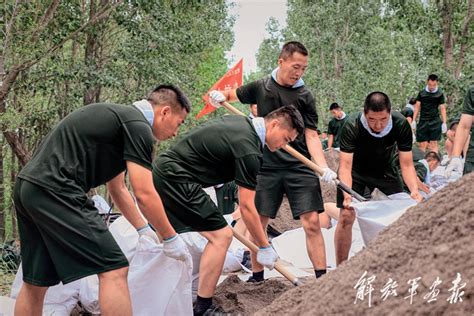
447,16
2,194
464,39
12,206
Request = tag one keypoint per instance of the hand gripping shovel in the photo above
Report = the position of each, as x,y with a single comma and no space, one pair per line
278,266
305,160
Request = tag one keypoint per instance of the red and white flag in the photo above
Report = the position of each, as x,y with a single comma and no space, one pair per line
231,80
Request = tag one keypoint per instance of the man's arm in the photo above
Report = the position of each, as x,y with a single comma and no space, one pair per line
122,198
462,134
416,110
345,174
330,140
230,95
148,199
314,147
409,174
442,109
250,216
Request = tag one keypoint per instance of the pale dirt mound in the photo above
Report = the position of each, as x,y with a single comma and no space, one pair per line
284,220
433,239
238,297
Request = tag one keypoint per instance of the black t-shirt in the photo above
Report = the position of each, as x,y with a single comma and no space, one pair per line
89,147
269,96
429,104
407,112
335,128
375,157
218,151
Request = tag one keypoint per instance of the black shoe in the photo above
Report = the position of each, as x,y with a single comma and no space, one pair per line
251,279
214,311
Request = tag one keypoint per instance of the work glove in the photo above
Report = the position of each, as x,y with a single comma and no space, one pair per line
455,165
216,97
328,176
267,257
147,231
413,125
174,247
444,128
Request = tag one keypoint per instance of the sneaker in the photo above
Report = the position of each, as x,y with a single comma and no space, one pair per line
251,279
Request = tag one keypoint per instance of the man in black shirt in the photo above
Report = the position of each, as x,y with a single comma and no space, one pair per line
369,141
335,125
282,173
63,238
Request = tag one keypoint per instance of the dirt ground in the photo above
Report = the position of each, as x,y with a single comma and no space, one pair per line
236,297
431,240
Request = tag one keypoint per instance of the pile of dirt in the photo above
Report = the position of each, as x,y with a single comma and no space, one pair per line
329,190
431,240
238,297
284,220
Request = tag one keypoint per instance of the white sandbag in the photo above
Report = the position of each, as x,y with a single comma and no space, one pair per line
291,246
59,300
89,294
125,235
158,284
7,306
374,216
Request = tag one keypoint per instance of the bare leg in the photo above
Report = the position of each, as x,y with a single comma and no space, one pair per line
423,145
212,260
30,300
343,235
314,240
114,297
433,146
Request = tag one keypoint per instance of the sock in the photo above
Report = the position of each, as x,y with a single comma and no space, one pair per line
202,304
258,276
320,273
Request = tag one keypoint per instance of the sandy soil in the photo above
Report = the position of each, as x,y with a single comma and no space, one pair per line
433,239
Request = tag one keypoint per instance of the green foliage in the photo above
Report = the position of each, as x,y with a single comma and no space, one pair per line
360,46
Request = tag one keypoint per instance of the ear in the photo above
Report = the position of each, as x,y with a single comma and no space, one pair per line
280,62
275,123
165,110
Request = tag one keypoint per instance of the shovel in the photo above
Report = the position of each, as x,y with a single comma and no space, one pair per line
278,266
305,160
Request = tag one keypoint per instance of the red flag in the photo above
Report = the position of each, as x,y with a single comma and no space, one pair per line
231,80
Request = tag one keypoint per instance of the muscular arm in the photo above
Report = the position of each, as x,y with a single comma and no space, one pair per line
230,95
442,109
123,200
330,140
416,110
345,170
148,199
314,147
462,134
408,171
251,217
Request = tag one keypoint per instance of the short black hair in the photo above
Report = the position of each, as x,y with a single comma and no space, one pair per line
293,47
433,77
432,155
412,101
377,101
291,115
334,106
171,95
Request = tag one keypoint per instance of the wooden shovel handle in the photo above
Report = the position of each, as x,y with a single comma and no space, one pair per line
278,266
310,164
